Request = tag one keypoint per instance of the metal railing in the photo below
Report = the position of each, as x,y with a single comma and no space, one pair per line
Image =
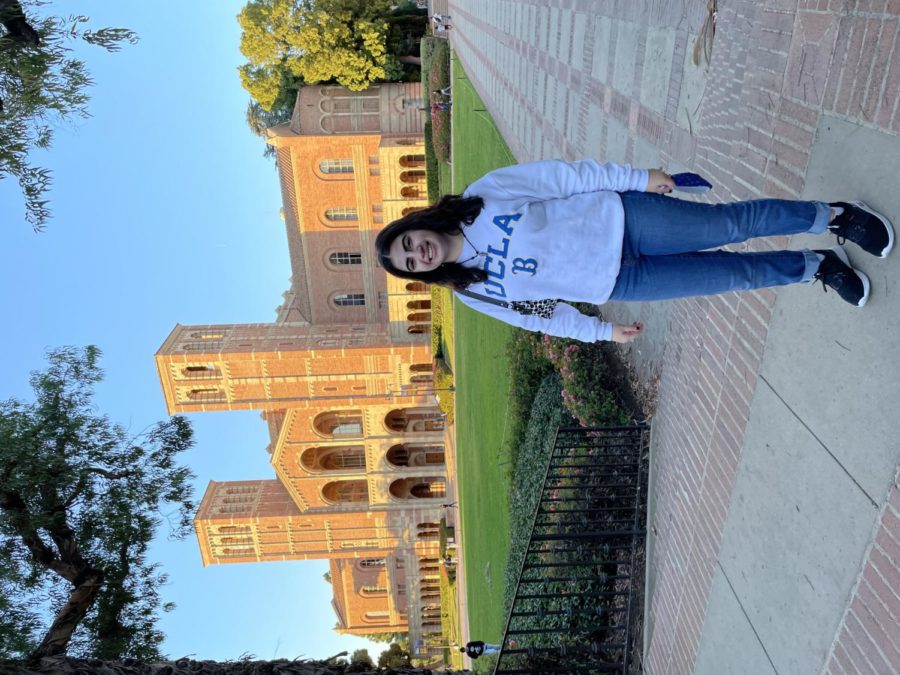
573,609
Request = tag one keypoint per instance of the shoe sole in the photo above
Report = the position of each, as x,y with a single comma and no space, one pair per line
842,254
884,221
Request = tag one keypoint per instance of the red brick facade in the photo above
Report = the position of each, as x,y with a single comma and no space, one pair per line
343,376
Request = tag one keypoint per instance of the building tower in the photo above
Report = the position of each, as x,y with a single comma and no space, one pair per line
343,376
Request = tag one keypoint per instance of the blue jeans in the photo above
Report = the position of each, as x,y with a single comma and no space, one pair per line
661,256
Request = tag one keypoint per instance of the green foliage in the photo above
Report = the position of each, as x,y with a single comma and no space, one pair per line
289,43
344,47
41,87
394,656
267,40
436,75
588,389
546,414
528,368
361,656
259,120
80,502
432,167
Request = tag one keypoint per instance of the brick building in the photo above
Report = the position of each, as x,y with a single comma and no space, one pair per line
343,376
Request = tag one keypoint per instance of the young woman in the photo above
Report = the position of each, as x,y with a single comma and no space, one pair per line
523,239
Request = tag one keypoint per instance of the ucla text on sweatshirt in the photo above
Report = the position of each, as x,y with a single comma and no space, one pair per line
550,230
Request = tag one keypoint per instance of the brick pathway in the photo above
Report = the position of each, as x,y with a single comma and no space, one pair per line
614,80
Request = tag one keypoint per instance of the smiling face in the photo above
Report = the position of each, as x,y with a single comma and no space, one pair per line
420,251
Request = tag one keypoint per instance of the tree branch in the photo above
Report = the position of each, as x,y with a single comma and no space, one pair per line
20,519
69,616
111,475
12,16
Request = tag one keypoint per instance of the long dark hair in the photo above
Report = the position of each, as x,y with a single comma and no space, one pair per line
448,216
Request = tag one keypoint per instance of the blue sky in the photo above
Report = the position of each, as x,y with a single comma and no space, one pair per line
165,212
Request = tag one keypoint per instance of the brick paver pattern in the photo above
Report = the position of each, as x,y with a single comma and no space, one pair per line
612,80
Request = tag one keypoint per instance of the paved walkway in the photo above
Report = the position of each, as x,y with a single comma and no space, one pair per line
775,451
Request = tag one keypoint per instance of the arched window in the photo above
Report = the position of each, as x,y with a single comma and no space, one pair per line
415,454
414,419
418,329
374,590
412,176
421,378
206,395
345,258
411,209
336,166
234,529
204,372
346,491
412,192
334,458
416,317
371,563
207,336
350,299
380,616
424,487
342,215
418,304
340,424
335,105
421,368
412,161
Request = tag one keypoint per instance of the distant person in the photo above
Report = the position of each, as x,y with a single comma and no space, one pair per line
477,648
440,22
525,241
441,92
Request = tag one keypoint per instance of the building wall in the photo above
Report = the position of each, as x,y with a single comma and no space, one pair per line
272,366
343,376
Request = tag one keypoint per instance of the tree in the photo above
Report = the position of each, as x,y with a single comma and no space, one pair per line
80,502
267,40
345,44
333,666
361,657
289,43
260,119
41,85
393,657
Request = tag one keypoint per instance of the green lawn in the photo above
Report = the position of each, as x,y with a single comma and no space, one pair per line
482,386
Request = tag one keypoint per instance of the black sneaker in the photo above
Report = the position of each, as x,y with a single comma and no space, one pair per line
865,227
835,272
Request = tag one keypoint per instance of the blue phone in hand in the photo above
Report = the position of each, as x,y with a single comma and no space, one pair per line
691,183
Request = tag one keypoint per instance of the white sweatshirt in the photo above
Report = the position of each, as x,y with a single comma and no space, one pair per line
550,230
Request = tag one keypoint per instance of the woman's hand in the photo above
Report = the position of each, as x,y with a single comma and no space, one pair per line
659,182
627,333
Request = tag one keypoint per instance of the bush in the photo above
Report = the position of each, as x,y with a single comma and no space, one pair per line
436,75
588,386
529,366
432,167
547,413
